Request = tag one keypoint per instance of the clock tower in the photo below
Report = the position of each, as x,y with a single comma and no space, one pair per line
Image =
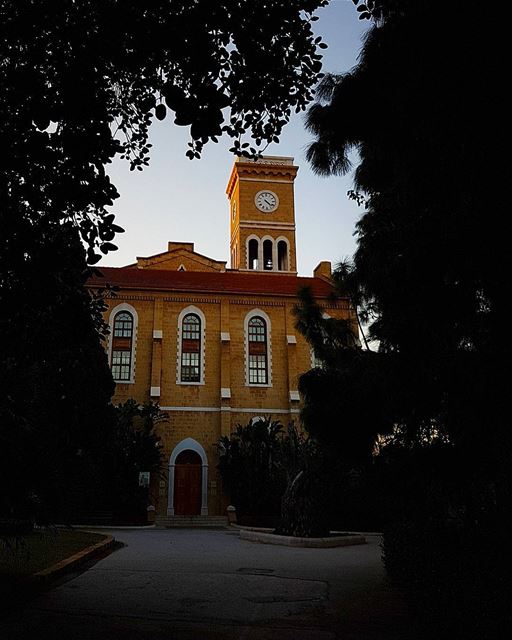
262,215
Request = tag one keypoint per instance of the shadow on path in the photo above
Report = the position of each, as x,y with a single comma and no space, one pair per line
210,585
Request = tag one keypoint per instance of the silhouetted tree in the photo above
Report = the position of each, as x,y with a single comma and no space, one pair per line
305,503
335,395
431,268
431,276
54,377
277,476
130,446
81,83
251,467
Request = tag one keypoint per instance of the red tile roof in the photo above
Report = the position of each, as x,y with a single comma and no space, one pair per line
209,282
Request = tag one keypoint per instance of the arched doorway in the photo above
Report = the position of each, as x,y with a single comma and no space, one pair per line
187,484
193,454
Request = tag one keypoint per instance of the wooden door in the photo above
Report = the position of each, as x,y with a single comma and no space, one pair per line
187,484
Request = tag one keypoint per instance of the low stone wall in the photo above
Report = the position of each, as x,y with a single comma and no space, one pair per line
265,537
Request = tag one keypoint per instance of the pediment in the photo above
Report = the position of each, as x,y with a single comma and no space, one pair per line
180,257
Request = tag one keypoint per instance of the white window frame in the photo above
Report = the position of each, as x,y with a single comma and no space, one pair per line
124,306
253,313
184,312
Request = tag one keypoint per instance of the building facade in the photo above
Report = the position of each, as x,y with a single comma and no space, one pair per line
216,346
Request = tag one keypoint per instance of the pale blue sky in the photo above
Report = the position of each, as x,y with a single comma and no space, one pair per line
182,200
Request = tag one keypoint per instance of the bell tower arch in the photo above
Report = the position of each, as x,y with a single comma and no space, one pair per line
262,215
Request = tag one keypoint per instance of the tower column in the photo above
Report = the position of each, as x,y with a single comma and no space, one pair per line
262,204
156,354
225,369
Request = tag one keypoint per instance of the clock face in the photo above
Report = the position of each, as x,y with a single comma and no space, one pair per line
266,201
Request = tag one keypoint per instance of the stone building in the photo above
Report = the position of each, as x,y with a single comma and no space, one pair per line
216,346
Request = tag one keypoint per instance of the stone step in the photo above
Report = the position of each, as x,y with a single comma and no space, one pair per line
191,525
198,519
191,521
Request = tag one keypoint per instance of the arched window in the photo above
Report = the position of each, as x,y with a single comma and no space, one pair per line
252,253
282,256
257,356
122,343
267,255
191,348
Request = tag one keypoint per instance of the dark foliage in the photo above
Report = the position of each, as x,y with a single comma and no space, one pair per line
134,447
430,275
305,504
54,376
444,540
129,447
80,84
63,446
335,394
252,469
280,478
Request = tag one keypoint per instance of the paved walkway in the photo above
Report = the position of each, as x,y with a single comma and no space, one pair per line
210,585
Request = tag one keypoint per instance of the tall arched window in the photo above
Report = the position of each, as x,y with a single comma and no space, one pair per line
191,348
252,253
122,343
282,255
257,343
268,250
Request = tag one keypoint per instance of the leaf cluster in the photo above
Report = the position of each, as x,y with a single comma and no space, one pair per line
259,460
54,375
431,268
80,84
424,110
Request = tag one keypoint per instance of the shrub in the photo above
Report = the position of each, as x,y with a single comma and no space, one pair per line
106,477
251,467
446,541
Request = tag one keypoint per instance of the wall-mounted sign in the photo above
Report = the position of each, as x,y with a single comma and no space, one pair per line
144,479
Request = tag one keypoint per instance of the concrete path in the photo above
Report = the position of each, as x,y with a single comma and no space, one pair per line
210,585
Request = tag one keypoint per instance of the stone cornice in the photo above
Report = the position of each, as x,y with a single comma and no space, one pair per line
249,300
255,302
264,224
245,169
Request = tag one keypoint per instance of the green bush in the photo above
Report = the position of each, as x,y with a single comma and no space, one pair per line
105,483
252,469
279,478
446,541
457,577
